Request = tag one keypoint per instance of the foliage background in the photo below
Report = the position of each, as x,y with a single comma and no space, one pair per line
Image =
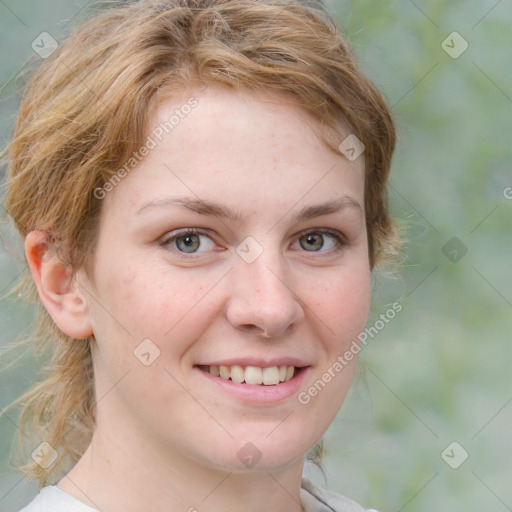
440,371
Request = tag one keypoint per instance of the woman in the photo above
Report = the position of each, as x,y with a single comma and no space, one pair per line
201,186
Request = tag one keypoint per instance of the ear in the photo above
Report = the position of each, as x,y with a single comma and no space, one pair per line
57,289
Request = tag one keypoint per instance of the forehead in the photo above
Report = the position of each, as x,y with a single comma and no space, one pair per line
236,146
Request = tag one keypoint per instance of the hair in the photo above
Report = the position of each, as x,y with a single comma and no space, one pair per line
85,111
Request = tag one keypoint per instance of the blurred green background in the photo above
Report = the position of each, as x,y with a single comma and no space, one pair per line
440,371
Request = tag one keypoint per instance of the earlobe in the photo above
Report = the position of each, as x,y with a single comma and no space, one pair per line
56,287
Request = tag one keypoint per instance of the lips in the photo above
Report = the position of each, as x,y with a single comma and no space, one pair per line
256,381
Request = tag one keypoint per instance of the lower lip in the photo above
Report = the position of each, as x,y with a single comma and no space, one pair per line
259,393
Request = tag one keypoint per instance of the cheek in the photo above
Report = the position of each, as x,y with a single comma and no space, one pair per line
340,310
343,305
139,302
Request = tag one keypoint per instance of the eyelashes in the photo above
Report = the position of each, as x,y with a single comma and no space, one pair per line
188,241
192,242
316,239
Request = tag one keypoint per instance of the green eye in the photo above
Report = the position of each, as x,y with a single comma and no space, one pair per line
321,241
312,242
188,243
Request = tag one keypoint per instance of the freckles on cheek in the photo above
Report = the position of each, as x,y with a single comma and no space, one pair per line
344,305
157,306
126,287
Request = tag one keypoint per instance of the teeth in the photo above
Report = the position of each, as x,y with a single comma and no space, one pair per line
237,373
271,375
224,372
253,374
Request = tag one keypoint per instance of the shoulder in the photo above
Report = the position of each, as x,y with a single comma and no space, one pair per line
52,499
316,499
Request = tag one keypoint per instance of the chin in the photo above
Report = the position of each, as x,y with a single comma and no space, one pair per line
261,451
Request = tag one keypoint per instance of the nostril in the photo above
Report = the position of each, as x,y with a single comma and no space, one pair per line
251,328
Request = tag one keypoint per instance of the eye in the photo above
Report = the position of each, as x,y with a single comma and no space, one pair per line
188,241
321,241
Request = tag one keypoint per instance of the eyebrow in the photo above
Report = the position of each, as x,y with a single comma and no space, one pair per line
217,210
329,207
196,205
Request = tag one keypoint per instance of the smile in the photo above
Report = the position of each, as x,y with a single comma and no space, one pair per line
255,380
254,375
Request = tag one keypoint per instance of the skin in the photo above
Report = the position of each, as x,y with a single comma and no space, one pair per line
167,438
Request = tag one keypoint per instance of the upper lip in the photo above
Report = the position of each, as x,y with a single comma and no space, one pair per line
257,361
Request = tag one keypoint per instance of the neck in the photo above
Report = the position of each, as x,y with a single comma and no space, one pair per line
117,474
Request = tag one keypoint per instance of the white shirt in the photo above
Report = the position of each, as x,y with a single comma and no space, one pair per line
313,499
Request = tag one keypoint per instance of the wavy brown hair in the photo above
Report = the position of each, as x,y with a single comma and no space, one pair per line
85,111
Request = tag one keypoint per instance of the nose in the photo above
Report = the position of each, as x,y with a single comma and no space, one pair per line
262,300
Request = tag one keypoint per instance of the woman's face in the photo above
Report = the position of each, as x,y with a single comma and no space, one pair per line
238,241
